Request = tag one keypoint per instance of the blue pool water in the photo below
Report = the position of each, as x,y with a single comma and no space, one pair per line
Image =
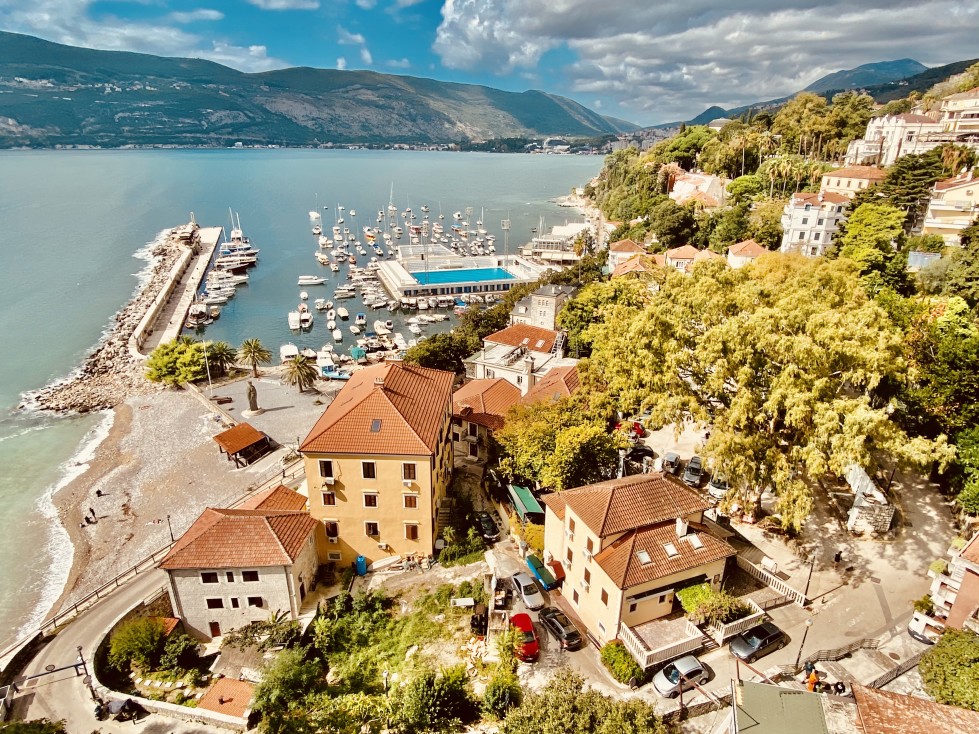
467,275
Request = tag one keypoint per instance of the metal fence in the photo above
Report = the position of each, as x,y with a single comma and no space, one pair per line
836,653
898,670
771,580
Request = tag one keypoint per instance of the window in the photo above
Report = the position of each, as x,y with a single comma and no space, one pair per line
604,597
587,576
370,499
209,577
570,556
369,469
574,597
662,598
802,235
255,601
326,468
376,425
601,628
231,577
249,575
411,501
235,603
571,525
334,556
473,429
805,220
411,532
490,374
329,499
332,528
408,471
819,221
632,607
589,545
215,603
371,529
520,379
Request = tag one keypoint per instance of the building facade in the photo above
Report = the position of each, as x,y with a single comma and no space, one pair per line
851,179
379,462
521,354
744,253
810,221
542,307
954,205
954,595
621,251
478,408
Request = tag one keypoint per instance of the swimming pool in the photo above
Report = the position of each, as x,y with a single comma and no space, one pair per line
463,275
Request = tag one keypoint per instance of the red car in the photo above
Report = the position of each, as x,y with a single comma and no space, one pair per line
633,429
527,650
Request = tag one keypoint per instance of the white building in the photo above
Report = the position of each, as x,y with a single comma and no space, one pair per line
521,354
851,179
557,246
542,306
619,252
237,566
954,206
744,253
709,190
810,221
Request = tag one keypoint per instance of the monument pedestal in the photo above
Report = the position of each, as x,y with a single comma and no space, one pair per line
250,413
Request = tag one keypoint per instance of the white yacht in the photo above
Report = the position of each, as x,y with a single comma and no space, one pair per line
288,352
311,280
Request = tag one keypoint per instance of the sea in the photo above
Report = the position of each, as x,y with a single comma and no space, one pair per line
76,230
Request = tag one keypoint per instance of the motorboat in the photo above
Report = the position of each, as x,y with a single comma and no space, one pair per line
361,319
311,280
308,353
380,329
320,304
322,258
331,314
337,335
414,329
294,320
303,296
389,325
334,267
198,315
354,329
288,352
343,313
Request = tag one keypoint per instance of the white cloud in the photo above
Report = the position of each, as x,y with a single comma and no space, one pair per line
346,38
341,63
68,22
406,3
285,4
194,16
663,61
399,63
365,4
365,56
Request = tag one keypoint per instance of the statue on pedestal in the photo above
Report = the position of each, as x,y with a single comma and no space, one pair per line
252,398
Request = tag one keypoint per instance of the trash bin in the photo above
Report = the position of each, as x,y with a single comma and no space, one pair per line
361,566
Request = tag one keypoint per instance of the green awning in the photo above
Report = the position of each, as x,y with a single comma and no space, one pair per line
524,501
542,572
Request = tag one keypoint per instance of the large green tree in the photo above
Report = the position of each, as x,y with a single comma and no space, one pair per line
673,225
962,276
443,351
950,670
782,359
594,303
872,238
254,353
301,372
137,644
175,362
287,680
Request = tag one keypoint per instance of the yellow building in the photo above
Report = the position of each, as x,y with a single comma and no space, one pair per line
378,463
626,546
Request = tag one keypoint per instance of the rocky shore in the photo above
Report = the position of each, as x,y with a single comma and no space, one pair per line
111,373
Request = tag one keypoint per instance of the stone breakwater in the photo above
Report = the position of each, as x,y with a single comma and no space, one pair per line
111,373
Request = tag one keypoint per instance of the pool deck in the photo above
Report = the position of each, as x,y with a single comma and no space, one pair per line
451,281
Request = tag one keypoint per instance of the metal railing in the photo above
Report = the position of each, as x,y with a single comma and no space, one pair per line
648,658
6,696
898,670
836,653
723,632
771,580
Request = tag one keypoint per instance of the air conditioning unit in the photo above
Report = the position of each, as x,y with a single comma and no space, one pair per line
382,546
569,532
587,554
328,480
585,585
407,482
333,539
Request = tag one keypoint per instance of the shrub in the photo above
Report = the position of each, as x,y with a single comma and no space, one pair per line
136,643
436,703
620,663
950,669
938,566
179,653
705,606
533,535
502,693
924,605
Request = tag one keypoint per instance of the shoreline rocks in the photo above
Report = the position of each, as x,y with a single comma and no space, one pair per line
111,374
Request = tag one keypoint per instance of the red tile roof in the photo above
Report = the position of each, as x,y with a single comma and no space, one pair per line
485,402
275,498
884,712
707,255
626,569
960,180
389,408
557,383
534,338
628,503
830,197
228,696
635,264
913,117
686,252
239,437
222,538
625,246
871,173
971,550
748,248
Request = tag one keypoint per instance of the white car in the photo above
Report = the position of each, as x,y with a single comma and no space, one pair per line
528,590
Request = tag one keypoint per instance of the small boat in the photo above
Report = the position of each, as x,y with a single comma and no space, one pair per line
422,304
311,280
331,314
214,312
389,324
361,319
343,313
331,325
353,212
320,304
322,258
288,352
352,259
317,230
354,329
308,352
334,267
293,319
303,296
380,329
337,335
414,329
305,317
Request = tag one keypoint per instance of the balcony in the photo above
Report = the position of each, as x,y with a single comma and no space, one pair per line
661,639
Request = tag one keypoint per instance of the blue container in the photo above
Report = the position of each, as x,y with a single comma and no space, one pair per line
361,566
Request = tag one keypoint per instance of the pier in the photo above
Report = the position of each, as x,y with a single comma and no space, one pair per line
165,318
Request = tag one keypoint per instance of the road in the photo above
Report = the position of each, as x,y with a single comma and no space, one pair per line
63,695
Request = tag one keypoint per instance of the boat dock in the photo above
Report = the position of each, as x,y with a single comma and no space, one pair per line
164,320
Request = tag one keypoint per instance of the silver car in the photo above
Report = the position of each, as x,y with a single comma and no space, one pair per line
685,673
528,590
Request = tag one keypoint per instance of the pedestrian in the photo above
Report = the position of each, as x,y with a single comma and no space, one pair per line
92,513
812,680
98,492
837,558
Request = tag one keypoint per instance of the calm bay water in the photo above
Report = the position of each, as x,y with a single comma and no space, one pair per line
73,224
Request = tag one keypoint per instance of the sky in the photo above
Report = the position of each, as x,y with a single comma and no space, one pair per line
644,61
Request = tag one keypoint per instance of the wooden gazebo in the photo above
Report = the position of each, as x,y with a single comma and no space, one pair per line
243,444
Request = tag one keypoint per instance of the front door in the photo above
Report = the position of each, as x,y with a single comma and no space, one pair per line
215,629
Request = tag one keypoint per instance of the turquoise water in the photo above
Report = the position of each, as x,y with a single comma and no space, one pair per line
75,223
471,275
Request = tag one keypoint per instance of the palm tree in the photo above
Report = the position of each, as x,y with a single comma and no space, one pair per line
252,352
220,356
301,372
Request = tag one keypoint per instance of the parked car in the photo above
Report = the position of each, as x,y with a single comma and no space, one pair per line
671,463
694,471
757,641
557,623
633,429
717,487
639,452
487,526
682,673
528,590
528,648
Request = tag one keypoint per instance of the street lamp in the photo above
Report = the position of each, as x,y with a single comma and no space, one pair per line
170,528
622,453
804,633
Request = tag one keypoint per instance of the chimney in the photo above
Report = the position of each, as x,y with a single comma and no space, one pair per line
681,527
528,364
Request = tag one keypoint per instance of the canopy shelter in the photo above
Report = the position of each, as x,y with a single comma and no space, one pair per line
243,444
526,505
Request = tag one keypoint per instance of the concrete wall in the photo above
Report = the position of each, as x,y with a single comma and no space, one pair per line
146,324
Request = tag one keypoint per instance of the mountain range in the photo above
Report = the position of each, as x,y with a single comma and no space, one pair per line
884,81
52,94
